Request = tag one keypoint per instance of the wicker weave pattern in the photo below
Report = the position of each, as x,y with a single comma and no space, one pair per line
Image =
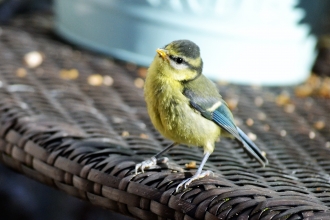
69,135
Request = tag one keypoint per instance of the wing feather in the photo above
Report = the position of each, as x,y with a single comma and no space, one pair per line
222,116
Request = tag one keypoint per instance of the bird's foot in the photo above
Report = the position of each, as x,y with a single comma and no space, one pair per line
153,161
185,183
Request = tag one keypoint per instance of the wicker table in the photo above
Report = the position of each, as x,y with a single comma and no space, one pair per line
78,123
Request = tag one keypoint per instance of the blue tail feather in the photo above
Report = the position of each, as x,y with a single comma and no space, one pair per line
251,148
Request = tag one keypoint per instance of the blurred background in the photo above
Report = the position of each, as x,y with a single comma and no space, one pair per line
264,42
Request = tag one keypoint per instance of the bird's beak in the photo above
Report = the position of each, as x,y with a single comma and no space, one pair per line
162,53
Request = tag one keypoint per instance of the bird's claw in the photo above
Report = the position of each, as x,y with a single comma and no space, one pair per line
185,183
145,164
153,161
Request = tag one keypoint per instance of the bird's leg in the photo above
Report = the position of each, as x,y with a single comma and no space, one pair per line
198,175
154,160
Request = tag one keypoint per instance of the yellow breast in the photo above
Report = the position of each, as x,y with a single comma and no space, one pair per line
172,116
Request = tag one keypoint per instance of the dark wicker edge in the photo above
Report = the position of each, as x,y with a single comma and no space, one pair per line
147,196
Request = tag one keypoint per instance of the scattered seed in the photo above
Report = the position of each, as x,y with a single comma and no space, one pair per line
319,125
283,133
266,127
107,80
232,103
33,59
125,134
289,108
144,136
69,74
142,72
283,99
21,72
191,165
252,136
95,80
327,144
262,116
258,101
312,135
139,83
249,122
117,120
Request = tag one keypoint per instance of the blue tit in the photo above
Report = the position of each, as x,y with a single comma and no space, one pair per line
186,107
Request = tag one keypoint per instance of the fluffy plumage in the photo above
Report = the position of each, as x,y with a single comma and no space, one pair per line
186,107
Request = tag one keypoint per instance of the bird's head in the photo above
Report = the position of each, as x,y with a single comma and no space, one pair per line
180,60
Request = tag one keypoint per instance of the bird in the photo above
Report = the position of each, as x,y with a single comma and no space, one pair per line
187,108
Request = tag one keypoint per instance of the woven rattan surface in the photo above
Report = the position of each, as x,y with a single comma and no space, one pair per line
86,139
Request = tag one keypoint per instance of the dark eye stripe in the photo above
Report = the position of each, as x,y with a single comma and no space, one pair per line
198,69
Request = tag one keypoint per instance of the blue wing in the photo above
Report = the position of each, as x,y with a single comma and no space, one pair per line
222,116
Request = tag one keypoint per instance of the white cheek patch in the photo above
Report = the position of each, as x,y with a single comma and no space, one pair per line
177,66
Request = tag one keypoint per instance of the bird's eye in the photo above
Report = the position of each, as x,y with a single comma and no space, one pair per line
179,60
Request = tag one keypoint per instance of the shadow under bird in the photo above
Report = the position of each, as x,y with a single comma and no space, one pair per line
186,107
